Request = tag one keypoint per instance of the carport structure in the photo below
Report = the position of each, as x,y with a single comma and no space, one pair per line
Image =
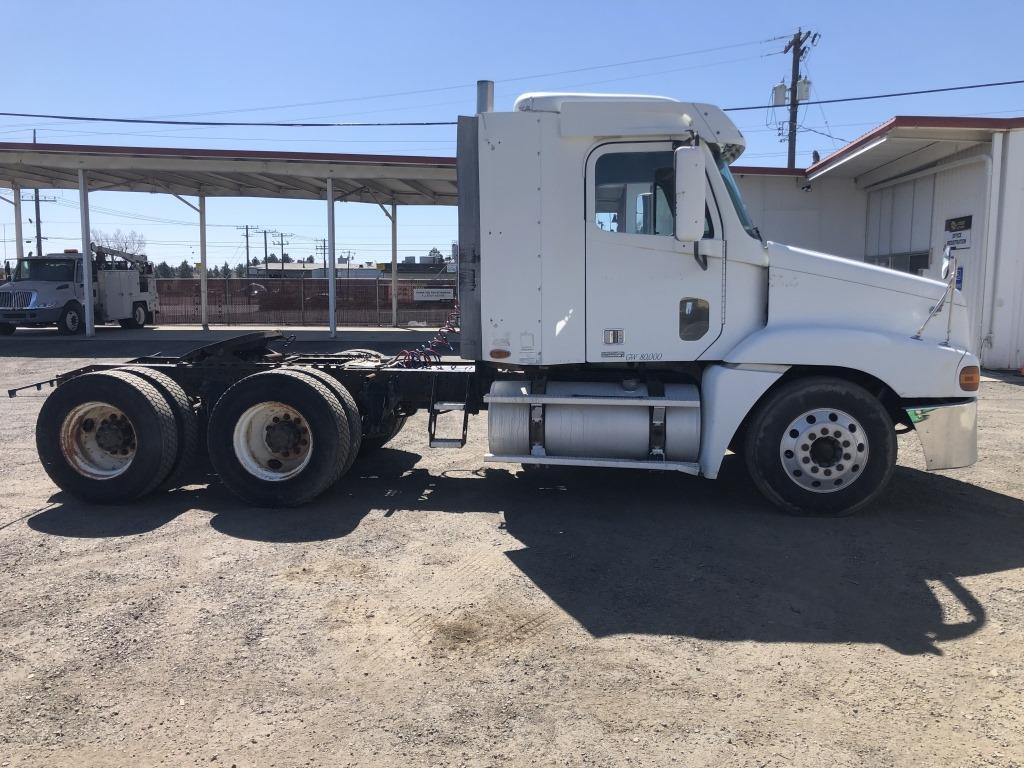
386,180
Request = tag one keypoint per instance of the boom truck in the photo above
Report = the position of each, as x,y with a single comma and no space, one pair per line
619,309
49,290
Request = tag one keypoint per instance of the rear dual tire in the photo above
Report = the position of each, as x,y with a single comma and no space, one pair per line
107,437
138,318
279,438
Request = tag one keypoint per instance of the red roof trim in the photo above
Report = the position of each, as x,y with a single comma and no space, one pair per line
227,154
759,170
920,121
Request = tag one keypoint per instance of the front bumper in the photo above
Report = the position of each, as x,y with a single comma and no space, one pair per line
948,433
30,316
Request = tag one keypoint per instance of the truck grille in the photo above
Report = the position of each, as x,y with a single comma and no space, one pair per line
16,299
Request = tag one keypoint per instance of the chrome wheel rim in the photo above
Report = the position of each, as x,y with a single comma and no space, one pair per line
824,450
272,441
98,440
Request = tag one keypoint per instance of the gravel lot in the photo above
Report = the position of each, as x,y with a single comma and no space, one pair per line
434,611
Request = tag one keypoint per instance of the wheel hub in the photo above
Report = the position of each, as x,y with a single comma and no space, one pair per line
286,435
114,434
272,441
98,440
824,450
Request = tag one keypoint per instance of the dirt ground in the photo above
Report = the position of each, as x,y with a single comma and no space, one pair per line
432,610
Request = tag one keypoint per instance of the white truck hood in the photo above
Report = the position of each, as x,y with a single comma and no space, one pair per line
800,260
815,289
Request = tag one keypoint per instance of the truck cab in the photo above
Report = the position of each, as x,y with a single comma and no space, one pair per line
49,290
634,316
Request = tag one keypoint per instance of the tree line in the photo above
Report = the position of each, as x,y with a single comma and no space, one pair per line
188,269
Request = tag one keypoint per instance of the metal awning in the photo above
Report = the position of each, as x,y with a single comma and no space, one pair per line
391,179
387,180
906,143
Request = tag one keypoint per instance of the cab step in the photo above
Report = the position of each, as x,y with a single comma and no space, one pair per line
446,406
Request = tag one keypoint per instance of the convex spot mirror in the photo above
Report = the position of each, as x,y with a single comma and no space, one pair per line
689,173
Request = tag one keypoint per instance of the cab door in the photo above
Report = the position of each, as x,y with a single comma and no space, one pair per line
648,298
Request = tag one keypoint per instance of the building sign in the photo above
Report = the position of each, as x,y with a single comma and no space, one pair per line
958,232
433,294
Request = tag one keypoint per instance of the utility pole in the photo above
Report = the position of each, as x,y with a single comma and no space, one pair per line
281,236
348,273
39,226
265,232
248,262
796,47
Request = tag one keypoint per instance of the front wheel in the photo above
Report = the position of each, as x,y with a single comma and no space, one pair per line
821,446
71,320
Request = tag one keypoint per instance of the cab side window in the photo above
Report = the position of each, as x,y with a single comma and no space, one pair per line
635,194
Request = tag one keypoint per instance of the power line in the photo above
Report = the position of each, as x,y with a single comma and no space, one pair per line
881,95
93,119
237,123
417,92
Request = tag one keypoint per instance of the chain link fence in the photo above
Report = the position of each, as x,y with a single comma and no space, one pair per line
303,301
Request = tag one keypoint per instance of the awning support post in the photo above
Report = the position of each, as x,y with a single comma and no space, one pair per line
203,295
332,270
87,289
18,236
394,263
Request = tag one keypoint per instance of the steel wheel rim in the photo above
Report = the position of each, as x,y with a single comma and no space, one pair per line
98,440
72,320
140,315
824,450
272,441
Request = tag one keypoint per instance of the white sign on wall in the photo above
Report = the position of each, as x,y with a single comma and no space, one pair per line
433,294
958,232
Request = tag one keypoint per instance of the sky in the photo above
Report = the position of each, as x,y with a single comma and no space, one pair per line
415,61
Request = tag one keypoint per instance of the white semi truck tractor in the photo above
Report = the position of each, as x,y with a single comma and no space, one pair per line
49,290
619,310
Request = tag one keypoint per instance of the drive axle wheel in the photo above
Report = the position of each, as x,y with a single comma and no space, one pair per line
348,403
106,437
278,438
138,318
185,420
821,446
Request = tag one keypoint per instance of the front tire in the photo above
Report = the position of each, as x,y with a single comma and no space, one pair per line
71,320
821,446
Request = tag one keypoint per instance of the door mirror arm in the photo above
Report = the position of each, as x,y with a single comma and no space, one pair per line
700,258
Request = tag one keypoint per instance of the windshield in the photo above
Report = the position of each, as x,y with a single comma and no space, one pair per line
737,199
45,270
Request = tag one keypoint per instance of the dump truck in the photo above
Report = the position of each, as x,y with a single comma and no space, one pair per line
49,290
618,309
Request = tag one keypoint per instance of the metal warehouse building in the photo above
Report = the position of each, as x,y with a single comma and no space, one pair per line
897,195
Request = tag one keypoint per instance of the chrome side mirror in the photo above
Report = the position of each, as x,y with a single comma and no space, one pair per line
947,261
